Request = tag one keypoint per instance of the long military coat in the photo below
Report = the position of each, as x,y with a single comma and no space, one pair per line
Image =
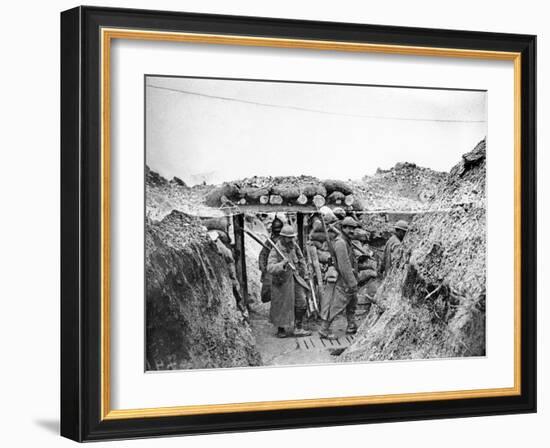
283,285
391,250
337,294
266,276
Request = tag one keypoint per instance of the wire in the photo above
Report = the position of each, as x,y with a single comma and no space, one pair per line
304,109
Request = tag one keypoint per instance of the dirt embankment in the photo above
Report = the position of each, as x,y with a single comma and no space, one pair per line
432,303
192,318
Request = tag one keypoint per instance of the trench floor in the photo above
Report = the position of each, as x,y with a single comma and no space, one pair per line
292,350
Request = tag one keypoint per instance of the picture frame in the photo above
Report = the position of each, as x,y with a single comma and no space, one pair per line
86,210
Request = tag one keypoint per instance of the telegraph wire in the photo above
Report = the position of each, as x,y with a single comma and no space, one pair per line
305,109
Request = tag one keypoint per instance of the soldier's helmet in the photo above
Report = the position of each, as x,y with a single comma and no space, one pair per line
349,222
276,225
288,231
402,225
339,212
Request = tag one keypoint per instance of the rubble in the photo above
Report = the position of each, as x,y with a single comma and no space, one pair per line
405,187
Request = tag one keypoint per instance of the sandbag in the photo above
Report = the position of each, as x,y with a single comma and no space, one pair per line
316,244
358,204
228,190
361,235
286,192
317,236
333,185
311,190
215,224
253,194
336,197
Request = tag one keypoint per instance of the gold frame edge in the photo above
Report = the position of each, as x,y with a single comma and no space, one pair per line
107,34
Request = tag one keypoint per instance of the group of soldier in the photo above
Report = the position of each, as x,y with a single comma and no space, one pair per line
287,273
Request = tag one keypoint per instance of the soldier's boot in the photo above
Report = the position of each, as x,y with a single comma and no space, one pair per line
352,326
281,333
324,331
299,330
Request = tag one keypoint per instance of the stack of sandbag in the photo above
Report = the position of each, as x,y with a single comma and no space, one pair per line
318,236
333,185
290,190
253,194
361,235
227,192
338,192
219,223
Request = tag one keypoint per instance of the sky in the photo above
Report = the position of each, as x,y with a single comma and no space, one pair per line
211,130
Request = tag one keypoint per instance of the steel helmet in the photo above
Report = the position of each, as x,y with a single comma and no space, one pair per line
402,225
288,231
339,212
276,224
349,222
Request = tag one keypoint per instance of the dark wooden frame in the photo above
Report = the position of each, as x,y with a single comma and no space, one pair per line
81,224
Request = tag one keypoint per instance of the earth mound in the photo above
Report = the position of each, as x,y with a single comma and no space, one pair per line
432,302
405,187
192,317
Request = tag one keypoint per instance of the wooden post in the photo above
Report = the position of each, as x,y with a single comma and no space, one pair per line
300,225
240,257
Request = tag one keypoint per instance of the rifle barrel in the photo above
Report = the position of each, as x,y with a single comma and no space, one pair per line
255,238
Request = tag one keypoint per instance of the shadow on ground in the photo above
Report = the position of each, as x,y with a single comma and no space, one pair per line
51,426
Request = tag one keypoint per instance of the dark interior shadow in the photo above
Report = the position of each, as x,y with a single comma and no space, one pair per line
49,425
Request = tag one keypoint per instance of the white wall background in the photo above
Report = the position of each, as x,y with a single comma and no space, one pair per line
29,326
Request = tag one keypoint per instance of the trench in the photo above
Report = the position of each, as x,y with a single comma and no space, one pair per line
312,349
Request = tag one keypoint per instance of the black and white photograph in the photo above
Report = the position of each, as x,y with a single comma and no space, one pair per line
297,223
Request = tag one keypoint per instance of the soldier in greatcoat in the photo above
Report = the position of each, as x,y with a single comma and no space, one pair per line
392,247
265,279
341,293
288,287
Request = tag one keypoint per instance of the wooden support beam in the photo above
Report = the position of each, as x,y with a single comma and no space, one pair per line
300,225
240,257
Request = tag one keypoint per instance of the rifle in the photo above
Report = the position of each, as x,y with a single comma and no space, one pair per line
330,249
272,244
288,262
312,302
329,242
255,238
312,253
299,279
